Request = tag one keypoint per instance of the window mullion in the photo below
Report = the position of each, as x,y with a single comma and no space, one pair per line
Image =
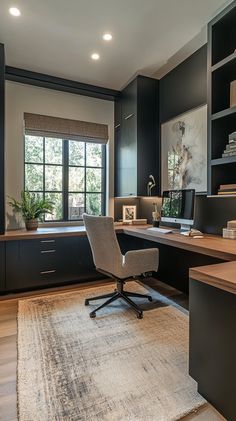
65,179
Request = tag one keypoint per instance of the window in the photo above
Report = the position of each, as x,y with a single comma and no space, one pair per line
71,173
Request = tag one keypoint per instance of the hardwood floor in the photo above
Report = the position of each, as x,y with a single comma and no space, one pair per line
8,351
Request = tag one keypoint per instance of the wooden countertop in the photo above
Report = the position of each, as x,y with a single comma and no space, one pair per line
221,275
211,245
70,231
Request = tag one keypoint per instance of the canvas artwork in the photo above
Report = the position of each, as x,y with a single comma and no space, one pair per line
184,151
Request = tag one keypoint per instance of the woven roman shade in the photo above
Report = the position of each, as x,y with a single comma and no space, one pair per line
63,128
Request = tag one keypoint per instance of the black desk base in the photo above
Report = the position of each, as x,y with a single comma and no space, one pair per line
212,360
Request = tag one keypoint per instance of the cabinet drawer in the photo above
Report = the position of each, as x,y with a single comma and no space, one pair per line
31,263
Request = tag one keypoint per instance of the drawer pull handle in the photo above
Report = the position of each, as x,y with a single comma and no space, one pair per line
48,251
129,116
118,125
44,272
47,241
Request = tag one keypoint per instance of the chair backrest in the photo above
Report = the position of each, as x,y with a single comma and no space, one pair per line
103,241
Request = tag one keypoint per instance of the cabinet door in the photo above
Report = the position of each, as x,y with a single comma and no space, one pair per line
75,261
129,100
30,263
2,266
126,158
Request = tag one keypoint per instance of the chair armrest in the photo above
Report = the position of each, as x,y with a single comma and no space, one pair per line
141,261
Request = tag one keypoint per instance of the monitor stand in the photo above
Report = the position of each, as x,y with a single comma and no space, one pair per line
184,228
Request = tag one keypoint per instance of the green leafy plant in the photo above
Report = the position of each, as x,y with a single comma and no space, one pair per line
31,206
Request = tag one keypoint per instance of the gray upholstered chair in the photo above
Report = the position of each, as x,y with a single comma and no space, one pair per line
109,261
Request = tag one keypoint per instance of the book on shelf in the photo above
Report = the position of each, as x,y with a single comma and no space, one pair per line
231,146
227,153
228,186
232,137
225,193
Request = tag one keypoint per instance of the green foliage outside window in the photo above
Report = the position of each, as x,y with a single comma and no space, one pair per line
67,172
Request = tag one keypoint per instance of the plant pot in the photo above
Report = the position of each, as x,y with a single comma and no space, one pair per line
31,224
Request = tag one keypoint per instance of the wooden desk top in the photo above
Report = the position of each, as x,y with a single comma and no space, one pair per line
70,231
211,245
221,275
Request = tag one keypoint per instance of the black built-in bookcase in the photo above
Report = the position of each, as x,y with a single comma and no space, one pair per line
221,118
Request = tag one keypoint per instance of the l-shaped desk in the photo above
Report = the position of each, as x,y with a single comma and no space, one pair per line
212,294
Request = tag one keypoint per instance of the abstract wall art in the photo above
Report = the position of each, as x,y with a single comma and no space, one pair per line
184,151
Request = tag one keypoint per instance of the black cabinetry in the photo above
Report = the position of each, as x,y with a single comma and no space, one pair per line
2,266
221,118
44,262
137,137
2,119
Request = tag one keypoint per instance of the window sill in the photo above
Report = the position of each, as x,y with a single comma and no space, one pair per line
61,224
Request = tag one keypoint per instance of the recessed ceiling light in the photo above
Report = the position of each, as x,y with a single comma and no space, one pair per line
107,37
95,56
14,11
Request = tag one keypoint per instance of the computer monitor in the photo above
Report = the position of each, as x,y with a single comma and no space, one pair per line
178,207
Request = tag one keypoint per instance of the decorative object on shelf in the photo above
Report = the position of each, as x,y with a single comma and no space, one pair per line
184,151
227,189
32,208
156,216
150,185
139,221
129,213
230,149
233,94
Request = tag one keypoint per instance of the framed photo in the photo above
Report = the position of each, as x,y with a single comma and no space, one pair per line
184,151
129,213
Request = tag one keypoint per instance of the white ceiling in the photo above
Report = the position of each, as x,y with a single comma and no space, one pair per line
57,37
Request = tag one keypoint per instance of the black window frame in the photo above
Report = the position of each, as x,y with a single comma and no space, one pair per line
65,178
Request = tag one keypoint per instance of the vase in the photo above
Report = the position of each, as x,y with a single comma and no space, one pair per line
31,224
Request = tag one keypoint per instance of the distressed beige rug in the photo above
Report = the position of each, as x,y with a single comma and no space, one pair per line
114,367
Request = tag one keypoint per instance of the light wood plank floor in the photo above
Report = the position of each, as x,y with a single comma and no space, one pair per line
8,352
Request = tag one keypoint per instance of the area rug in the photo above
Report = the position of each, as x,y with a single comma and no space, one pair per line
112,368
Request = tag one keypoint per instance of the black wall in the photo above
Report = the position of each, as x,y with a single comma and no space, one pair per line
185,87
2,117
182,89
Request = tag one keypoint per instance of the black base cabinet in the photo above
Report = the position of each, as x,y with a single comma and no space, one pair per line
2,266
45,262
212,361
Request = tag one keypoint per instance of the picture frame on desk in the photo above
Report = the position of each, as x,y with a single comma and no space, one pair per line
129,213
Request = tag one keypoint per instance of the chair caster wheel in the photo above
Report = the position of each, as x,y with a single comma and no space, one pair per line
92,315
140,315
150,298
86,302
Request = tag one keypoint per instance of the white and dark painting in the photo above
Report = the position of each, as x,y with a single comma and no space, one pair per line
184,151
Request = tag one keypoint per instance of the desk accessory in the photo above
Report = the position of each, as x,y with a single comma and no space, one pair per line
156,216
139,221
129,213
229,233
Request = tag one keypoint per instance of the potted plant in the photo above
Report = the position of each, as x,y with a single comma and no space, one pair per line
32,207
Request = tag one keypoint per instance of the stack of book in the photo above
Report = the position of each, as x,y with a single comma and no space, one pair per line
231,146
227,189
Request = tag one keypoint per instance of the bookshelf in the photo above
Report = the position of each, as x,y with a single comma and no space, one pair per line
221,117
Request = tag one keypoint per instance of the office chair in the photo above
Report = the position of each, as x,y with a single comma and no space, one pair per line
109,261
